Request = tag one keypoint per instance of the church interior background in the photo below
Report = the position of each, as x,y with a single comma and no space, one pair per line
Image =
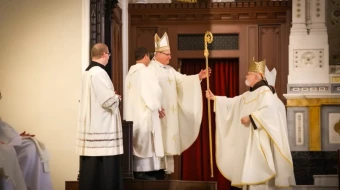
45,49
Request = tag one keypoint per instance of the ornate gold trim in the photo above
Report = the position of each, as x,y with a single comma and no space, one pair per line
314,128
312,102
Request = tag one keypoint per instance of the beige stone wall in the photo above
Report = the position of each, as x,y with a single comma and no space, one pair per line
43,52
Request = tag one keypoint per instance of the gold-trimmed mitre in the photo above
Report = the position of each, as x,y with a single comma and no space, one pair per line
162,44
257,67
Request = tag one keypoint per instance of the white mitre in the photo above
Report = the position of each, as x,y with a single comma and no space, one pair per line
270,76
162,44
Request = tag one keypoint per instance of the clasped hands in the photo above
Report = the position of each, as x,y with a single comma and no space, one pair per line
23,134
210,96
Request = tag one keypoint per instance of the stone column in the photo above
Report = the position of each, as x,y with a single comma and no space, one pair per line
317,17
308,85
299,18
308,48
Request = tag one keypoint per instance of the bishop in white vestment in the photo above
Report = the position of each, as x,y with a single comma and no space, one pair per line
252,149
182,102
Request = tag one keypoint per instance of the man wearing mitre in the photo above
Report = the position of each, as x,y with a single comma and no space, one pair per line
252,149
181,102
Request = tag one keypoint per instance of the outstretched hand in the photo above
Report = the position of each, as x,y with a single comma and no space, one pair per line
209,95
204,74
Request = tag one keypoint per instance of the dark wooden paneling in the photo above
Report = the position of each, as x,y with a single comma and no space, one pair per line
127,161
270,48
71,185
209,13
269,45
117,54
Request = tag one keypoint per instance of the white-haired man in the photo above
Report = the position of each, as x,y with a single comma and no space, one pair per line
252,149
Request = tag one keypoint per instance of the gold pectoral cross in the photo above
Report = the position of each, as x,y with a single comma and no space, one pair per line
129,86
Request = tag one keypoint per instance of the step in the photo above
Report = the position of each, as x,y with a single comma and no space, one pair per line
326,180
314,187
158,185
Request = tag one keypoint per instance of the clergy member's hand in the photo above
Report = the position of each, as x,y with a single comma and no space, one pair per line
119,96
161,113
203,74
209,95
2,142
24,134
245,121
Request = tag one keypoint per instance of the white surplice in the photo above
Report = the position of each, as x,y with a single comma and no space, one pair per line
182,102
249,157
99,126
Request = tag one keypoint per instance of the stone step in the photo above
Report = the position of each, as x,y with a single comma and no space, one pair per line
314,187
326,180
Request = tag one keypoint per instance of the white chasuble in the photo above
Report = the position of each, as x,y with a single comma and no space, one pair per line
182,102
246,156
141,104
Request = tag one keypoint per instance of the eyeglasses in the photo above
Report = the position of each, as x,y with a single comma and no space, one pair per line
167,54
109,54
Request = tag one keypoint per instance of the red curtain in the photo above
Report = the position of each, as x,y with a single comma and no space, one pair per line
223,82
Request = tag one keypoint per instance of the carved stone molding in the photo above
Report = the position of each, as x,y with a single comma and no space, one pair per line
335,88
304,58
317,8
335,12
297,118
268,30
230,12
298,9
309,88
